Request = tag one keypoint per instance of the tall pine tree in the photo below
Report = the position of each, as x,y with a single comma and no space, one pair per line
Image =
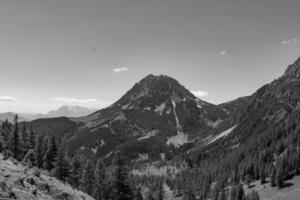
121,186
14,141
50,155
87,179
38,150
62,167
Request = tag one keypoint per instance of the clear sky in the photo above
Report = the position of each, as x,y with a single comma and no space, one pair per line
90,52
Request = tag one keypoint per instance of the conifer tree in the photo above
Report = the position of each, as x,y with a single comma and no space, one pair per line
31,139
1,146
14,141
273,177
87,180
222,195
240,195
161,191
62,167
75,172
189,195
50,155
100,173
253,195
139,195
262,175
24,139
122,190
280,170
38,150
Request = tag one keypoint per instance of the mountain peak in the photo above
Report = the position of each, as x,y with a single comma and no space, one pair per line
293,69
157,86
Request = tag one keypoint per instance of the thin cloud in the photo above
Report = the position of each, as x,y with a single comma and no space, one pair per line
200,93
290,41
223,53
8,99
121,69
91,102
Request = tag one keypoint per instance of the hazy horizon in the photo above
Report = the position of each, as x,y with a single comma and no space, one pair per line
89,53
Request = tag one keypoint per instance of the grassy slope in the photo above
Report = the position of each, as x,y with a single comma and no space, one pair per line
20,182
266,192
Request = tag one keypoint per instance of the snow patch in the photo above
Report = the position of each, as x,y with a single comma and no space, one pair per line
142,157
120,117
147,108
160,109
221,135
102,143
163,156
149,135
94,150
179,139
214,124
199,103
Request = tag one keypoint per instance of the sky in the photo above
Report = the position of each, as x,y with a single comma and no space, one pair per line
90,52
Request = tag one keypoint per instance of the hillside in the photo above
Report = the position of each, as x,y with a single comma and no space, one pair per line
266,192
21,183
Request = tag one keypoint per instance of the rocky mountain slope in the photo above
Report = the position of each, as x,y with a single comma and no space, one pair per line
18,182
157,115
273,106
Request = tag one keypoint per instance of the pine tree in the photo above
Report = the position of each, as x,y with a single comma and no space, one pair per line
189,195
25,139
262,175
100,173
75,173
122,190
161,191
222,195
139,195
14,141
50,155
87,180
233,193
280,170
62,167
273,177
253,195
31,139
1,146
38,150
240,195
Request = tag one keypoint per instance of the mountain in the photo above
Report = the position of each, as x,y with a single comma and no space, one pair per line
263,142
70,111
63,111
157,115
21,183
273,106
236,108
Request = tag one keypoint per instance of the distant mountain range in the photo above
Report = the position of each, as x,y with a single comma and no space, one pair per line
63,111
